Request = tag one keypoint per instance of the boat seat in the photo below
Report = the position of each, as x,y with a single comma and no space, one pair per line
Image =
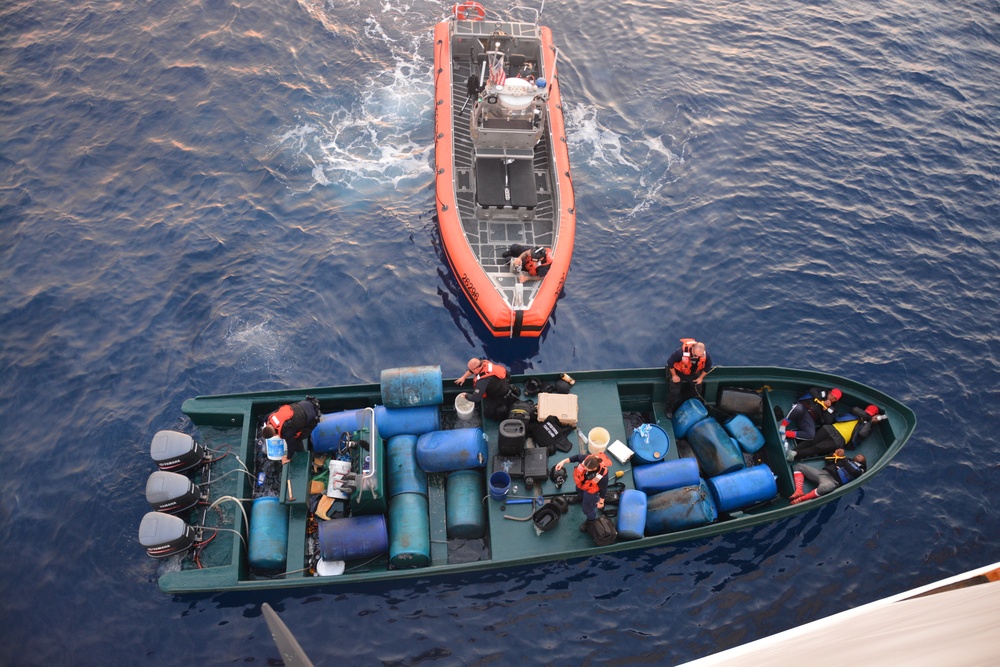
516,61
492,176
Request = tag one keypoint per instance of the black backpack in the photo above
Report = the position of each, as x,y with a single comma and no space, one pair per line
522,410
602,530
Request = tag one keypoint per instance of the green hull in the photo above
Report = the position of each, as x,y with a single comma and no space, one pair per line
611,399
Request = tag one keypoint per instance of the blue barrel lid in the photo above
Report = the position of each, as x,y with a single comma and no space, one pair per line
650,443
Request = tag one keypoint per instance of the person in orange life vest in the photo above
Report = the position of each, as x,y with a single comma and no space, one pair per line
490,385
532,261
838,470
591,478
686,370
292,423
813,410
847,432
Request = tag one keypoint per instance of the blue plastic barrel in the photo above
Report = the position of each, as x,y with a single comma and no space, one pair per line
464,509
407,421
268,534
409,531
666,475
743,488
747,435
716,451
412,387
353,538
650,444
405,476
455,449
499,485
326,436
687,415
677,509
631,515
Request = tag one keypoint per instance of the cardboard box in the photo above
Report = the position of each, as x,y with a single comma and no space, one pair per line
563,406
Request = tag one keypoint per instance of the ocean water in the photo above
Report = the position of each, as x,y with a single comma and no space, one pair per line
207,196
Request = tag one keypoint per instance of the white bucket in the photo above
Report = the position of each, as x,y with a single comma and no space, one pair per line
597,440
275,448
337,471
464,407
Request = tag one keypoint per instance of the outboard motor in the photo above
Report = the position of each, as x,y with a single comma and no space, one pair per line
176,452
164,535
171,492
558,476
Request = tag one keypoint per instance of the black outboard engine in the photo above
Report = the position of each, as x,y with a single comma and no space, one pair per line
164,535
171,492
176,452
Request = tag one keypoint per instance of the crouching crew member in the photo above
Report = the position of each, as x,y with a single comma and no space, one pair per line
532,261
591,478
491,386
292,423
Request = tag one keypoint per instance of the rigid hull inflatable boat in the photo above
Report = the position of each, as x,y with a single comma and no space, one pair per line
402,480
502,164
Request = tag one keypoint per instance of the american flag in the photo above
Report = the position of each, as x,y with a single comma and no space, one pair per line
497,74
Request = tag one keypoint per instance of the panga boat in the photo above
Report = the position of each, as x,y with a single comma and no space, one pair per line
502,164
404,481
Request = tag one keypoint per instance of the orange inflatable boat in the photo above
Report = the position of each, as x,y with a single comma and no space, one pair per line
505,202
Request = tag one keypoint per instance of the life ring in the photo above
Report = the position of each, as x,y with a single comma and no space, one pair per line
469,11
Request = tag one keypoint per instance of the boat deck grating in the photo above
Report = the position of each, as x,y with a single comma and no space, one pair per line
491,232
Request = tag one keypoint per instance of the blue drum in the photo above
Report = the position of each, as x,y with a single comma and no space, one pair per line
405,476
268,534
743,488
747,435
666,475
716,451
353,538
677,509
687,415
412,387
631,515
455,449
650,444
409,531
406,421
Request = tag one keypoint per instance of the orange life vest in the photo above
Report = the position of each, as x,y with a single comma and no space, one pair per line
531,266
684,366
491,370
279,417
587,480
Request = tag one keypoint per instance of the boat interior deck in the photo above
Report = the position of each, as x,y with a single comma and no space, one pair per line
490,224
619,405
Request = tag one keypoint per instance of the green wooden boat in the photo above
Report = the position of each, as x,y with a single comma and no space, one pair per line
379,533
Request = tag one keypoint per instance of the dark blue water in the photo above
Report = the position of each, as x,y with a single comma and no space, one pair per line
202,196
